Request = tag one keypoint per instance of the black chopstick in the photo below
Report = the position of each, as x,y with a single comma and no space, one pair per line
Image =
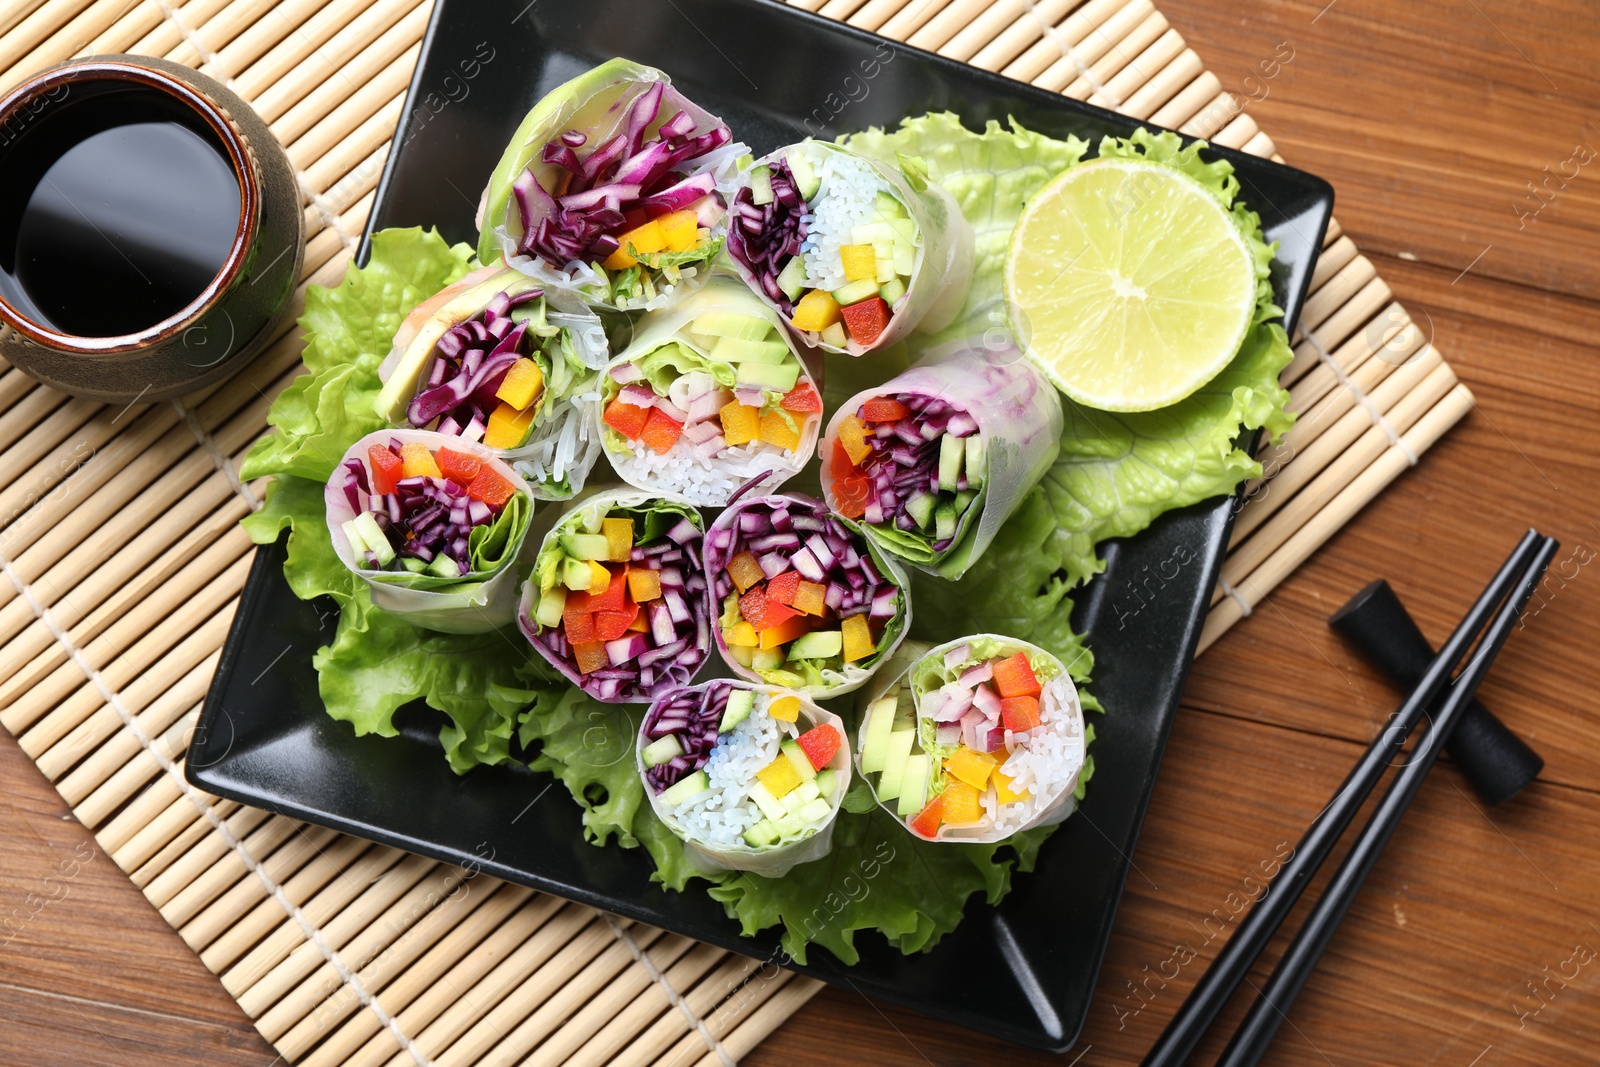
1233,962
1255,1033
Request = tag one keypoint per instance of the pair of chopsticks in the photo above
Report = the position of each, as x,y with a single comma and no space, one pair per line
1509,591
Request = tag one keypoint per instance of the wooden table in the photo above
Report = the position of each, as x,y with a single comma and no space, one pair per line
1430,122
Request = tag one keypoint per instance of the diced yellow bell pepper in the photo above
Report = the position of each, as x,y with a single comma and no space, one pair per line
971,766
1003,791
644,585
417,462
775,430
779,777
599,577
815,311
681,230
860,261
643,239
811,598
741,423
961,802
853,435
522,384
857,638
619,539
507,426
786,709
741,635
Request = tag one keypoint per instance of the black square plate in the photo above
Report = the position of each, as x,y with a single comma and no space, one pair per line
1026,970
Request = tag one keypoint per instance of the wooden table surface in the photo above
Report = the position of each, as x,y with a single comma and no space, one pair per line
1431,120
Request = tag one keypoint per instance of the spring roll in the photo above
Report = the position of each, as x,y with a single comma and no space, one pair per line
853,252
499,359
616,185
977,739
709,397
935,460
617,598
434,524
749,776
806,601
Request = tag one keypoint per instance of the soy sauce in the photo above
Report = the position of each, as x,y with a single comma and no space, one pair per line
118,205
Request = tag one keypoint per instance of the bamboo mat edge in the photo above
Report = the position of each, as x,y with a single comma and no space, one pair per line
345,952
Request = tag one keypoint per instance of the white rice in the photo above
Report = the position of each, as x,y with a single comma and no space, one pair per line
565,446
719,816
1045,764
705,481
845,199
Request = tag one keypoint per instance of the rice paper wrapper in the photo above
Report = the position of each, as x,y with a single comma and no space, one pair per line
1051,802
707,481
472,603
595,103
941,271
558,457
772,861
835,682
676,671
1019,419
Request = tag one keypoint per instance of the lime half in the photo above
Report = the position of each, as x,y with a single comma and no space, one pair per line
1129,284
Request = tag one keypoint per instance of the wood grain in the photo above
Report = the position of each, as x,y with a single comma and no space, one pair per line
1430,119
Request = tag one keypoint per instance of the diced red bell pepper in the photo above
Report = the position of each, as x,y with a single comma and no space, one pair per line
926,824
611,625
578,625
591,656
459,467
661,431
627,419
386,467
802,398
577,600
782,588
819,744
615,598
1014,678
762,612
635,217
1019,714
490,488
883,409
840,465
866,320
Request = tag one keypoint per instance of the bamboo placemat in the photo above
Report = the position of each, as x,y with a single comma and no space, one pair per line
120,541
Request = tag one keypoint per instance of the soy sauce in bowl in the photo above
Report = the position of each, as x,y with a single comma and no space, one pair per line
118,206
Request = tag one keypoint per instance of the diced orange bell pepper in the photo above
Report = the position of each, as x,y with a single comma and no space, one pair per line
615,597
644,584
745,571
508,427
858,643
417,461
491,488
775,430
740,422
785,709
626,419
850,495
639,625
387,468
741,635
643,239
884,409
619,538
578,625
459,467
610,625
782,588
810,598
802,397
780,633
591,656
1014,677
866,321
522,384
970,766
819,743
815,311
681,229
661,432
926,824
961,802
1019,714
853,436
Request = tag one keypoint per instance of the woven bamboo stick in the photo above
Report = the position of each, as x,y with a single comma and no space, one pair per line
691,1048
1138,71
910,15
869,16
314,23
135,775
1192,100
197,845
1368,446
419,993
13,386
27,413
328,59
165,35
45,472
224,875
1328,520
942,24
180,815
13,14
737,984
243,892
631,1022
1391,333
1022,50
33,29
70,39
142,17
1108,51
63,422
360,143
1359,310
785,1001
200,46
1163,86
334,108
117,831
